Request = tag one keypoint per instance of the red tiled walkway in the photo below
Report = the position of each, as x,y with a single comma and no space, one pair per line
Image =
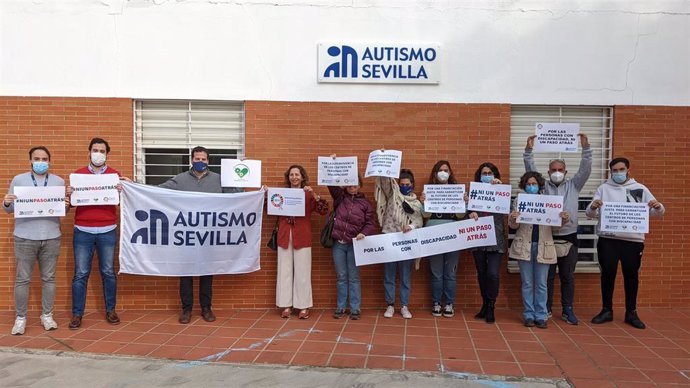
610,355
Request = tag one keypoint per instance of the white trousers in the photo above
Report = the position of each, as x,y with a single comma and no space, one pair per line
293,283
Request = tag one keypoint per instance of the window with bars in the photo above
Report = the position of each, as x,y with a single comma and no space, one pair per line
166,131
597,123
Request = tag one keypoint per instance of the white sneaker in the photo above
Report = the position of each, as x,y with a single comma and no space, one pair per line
405,312
390,310
19,326
48,322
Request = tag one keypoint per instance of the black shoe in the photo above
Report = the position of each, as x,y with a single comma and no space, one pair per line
338,313
355,315
605,315
529,322
541,324
208,314
482,312
75,322
112,318
633,320
185,317
490,318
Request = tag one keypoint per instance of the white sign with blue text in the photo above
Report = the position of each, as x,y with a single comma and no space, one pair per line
539,209
396,63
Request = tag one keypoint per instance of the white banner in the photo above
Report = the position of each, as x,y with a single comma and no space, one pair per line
630,217
46,201
285,202
539,209
94,189
180,233
384,163
240,173
556,137
485,197
341,171
444,198
424,242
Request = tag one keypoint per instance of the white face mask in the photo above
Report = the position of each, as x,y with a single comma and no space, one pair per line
557,177
442,176
97,159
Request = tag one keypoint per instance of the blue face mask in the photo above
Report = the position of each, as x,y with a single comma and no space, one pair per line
39,168
619,177
405,190
532,189
199,166
487,178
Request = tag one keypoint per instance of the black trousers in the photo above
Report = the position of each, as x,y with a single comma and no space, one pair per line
487,264
566,274
187,291
629,253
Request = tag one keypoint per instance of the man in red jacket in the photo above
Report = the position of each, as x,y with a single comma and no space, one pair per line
94,230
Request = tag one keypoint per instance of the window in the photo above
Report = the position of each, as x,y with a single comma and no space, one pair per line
597,123
166,131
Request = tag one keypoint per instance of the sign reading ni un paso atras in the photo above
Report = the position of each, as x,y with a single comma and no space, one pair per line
379,63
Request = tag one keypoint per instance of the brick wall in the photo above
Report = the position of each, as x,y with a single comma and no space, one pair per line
282,133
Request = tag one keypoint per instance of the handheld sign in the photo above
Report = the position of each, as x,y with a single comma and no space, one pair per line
539,209
556,137
444,198
285,202
240,173
629,217
94,189
341,171
32,201
384,163
485,197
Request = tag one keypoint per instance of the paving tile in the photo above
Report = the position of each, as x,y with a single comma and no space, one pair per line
154,338
270,357
386,350
137,349
459,354
345,348
663,376
311,359
104,347
541,370
169,328
122,336
196,329
384,362
502,368
592,383
347,361
495,355
318,346
490,343
170,351
527,346
462,366
38,343
534,357
420,352
671,352
625,374
423,364
185,340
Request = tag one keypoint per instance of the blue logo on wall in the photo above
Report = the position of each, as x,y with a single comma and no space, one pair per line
348,61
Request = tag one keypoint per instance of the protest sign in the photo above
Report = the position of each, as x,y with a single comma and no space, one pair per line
539,209
240,173
444,198
341,171
384,163
285,202
629,217
47,201
556,137
485,197
94,189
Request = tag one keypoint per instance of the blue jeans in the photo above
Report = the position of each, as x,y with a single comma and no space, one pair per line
347,275
443,276
534,276
389,270
84,246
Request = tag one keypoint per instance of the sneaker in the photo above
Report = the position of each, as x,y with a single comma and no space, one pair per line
569,316
390,310
448,311
355,315
405,312
549,314
338,313
48,322
541,324
633,320
436,311
19,326
529,322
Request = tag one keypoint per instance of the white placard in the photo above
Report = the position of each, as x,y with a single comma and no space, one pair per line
485,197
47,201
628,217
94,189
341,171
444,198
240,173
539,209
556,137
384,163
424,242
285,202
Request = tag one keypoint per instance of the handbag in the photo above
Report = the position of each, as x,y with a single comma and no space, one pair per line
327,231
273,241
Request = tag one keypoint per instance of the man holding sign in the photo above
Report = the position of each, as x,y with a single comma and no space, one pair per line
564,237
620,245
35,239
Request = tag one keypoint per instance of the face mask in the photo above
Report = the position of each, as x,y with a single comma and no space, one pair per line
39,168
199,166
532,189
619,177
442,176
557,177
405,190
97,159
487,178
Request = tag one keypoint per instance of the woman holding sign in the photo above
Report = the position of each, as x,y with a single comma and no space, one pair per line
487,260
534,250
293,283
